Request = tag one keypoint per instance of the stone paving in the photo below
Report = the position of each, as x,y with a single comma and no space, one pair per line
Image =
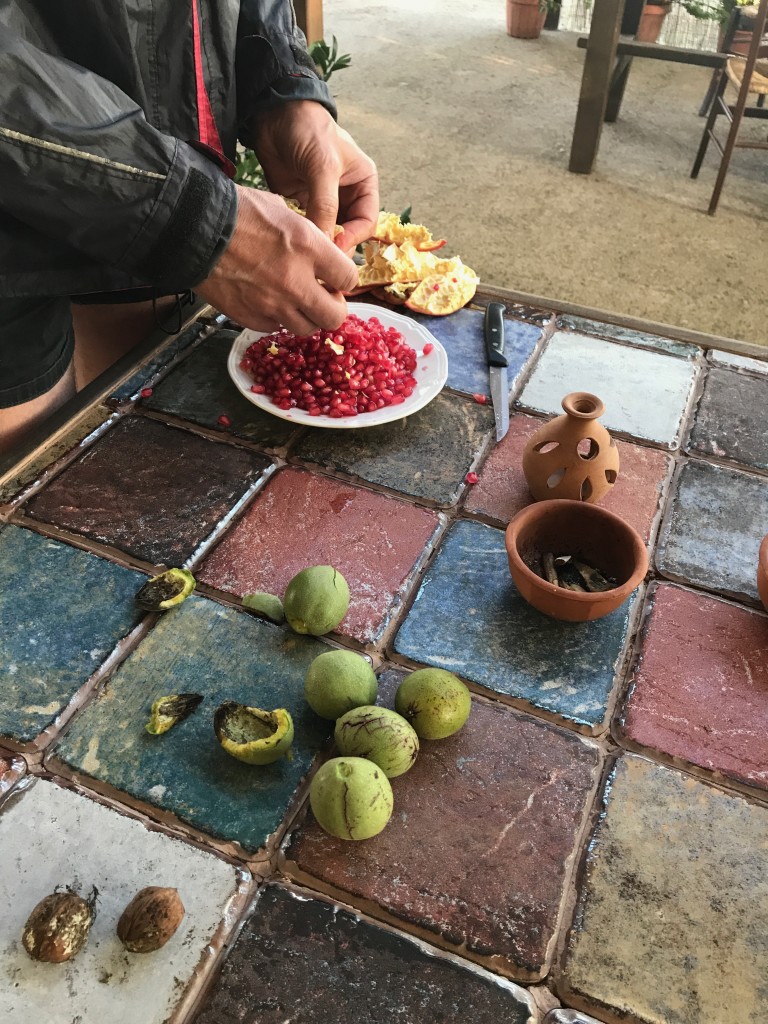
591,846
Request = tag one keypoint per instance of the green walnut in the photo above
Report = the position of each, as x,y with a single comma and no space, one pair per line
265,604
351,798
434,701
338,681
316,600
379,735
253,735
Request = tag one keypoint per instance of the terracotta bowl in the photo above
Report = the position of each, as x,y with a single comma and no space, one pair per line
762,573
588,532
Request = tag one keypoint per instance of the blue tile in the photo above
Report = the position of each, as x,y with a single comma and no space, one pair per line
224,654
62,611
626,334
461,334
469,618
712,537
168,351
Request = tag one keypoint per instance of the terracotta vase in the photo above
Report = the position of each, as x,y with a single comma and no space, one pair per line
589,533
525,20
651,21
572,456
762,573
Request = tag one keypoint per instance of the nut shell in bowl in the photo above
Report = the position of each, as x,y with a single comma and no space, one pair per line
587,532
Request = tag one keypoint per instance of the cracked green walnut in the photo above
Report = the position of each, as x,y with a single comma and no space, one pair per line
316,600
379,735
351,798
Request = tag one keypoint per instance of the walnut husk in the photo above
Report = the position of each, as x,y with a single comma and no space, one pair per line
150,919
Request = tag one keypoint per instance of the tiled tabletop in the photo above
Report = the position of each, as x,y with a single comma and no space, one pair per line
590,847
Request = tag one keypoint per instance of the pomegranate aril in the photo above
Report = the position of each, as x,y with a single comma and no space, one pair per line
224,420
146,392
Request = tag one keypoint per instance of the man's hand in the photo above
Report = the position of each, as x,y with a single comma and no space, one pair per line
307,157
271,272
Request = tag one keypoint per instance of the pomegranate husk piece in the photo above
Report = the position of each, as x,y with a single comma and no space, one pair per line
441,294
390,229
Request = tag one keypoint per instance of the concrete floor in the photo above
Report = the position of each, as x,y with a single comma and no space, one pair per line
473,129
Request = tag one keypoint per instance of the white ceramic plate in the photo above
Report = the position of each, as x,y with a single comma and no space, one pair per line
431,374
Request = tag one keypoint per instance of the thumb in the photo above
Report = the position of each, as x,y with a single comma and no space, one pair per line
323,200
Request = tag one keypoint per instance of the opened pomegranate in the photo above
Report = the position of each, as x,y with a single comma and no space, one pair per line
361,367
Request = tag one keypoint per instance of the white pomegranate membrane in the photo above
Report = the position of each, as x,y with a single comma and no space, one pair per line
361,367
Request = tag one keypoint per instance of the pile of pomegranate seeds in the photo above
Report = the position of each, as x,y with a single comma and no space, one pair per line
361,367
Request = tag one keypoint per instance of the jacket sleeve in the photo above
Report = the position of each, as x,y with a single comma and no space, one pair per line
272,62
79,163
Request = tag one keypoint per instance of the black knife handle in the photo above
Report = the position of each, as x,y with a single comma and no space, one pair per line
493,329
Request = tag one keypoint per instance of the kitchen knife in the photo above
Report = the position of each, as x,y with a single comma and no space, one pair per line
493,330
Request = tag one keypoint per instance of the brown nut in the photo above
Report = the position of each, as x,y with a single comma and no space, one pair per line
150,919
57,929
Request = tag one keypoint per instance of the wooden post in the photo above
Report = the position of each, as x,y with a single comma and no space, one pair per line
309,15
595,84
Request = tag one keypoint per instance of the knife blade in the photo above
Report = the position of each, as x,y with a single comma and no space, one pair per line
493,330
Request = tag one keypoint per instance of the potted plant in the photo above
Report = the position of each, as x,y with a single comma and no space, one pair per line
525,18
652,19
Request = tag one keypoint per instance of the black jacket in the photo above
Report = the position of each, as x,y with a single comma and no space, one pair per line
102,106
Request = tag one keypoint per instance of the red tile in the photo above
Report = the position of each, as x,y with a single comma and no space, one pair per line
477,851
502,491
700,686
302,519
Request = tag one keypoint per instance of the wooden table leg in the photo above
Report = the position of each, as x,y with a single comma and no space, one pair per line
309,15
595,84
618,85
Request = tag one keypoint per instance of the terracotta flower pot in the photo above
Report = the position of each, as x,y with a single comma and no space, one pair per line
524,19
762,573
589,533
572,456
651,21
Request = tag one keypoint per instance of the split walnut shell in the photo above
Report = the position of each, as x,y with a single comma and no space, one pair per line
150,919
58,927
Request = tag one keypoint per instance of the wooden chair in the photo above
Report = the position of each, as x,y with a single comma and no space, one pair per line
750,77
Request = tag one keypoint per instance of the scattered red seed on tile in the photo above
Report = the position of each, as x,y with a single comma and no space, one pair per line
480,399
471,478
224,421
428,348
146,392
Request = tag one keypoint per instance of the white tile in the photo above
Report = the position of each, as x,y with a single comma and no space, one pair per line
645,393
734,362
53,837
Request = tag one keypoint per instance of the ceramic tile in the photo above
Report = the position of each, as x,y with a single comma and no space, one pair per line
301,520
469,618
43,836
297,957
735,362
506,789
63,611
629,336
700,683
731,405
223,654
502,492
461,334
716,521
36,467
162,357
150,490
672,919
200,390
426,455
645,393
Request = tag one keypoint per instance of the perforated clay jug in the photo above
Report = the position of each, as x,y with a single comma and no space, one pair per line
572,456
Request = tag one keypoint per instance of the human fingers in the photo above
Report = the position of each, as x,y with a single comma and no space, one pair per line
323,197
